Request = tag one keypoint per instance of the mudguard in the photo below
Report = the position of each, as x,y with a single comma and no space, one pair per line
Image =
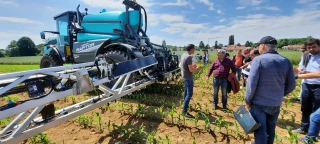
55,50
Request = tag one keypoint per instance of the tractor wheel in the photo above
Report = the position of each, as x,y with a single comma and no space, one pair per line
117,57
49,61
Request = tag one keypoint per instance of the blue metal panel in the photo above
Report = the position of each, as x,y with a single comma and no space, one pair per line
132,65
82,37
101,25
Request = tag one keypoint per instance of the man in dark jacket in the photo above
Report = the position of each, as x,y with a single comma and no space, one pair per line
271,78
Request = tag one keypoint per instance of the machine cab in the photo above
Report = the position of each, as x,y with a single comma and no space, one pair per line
63,22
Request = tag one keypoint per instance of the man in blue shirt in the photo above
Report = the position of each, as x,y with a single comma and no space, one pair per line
271,78
310,97
314,127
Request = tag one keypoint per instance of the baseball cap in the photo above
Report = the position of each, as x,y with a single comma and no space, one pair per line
268,40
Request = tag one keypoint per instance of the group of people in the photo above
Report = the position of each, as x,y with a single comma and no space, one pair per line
268,77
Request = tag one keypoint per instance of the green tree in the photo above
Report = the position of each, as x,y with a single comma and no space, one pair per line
220,46
174,48
207,46
40,49
231,40
238,44
215,44
201,45
26,47
12,49
1,54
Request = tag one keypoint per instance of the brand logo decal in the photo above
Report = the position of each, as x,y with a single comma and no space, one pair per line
85,46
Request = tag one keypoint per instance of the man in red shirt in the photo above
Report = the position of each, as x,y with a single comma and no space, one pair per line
238,62
221,68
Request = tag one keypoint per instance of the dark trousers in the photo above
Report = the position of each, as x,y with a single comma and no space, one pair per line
310,102
188,92
217,83
267,116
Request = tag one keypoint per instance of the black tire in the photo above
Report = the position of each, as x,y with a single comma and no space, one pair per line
117,57
50,61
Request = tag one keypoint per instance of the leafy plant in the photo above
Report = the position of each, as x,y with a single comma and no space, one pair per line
219,123
99,122
196,119
293,136
237,129
227,125
172,112
207,125
85,121
151,138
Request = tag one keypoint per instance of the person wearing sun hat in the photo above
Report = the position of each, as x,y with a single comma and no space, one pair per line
271,78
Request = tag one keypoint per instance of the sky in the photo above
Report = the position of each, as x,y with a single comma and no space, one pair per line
178,22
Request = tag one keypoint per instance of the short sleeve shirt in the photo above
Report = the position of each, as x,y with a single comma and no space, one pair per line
247,59
186,60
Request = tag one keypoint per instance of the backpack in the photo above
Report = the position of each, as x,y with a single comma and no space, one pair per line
305,58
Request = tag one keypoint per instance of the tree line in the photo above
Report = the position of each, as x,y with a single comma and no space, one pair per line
23,47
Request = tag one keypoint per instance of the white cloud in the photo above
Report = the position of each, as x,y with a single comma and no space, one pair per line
203,15
155,19
178,3
7,2
208,3
273,8
19,20
219,12
185,28
157,39
305,1
250,2
115,4
219,27
301,23
51,9
240,8
222,20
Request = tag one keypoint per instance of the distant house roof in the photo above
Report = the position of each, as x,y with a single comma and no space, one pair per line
235,47
292,47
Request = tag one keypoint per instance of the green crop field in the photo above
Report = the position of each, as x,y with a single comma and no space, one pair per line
294,56
27,60
16,68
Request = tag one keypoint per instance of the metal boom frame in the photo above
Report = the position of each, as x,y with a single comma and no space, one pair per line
31,126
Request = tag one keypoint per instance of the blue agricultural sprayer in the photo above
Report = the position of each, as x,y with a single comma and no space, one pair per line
108,51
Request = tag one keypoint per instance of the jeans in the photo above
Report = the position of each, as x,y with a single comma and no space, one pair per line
217,83
314,126
310,102
188,91
267,117
238,73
